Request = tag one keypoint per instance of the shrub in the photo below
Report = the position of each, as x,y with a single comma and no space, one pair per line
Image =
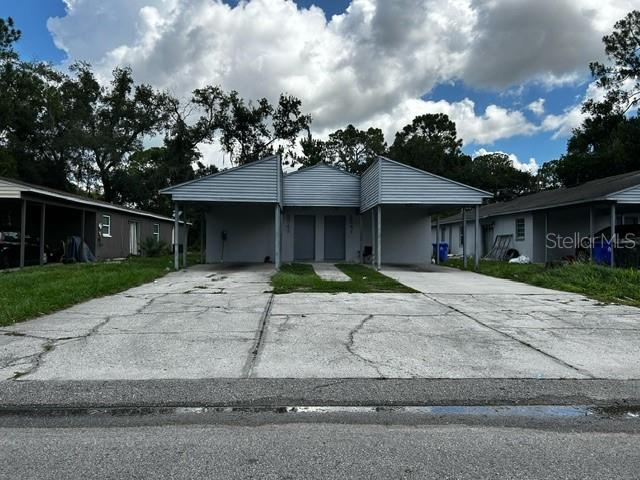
152,248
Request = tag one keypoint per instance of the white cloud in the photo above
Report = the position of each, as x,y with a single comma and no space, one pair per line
531,166
537,106
367,66
484,128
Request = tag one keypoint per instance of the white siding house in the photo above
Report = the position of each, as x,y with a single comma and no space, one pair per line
559,214
256,213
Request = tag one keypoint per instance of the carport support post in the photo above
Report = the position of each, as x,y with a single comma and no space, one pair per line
546,232
82,218
23,230
613,233
464,238
176,236
379,239
591,233
43,209
438,241
373,238
277,235
185,239
476,240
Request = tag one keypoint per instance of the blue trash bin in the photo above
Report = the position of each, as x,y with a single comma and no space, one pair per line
602,252
443,251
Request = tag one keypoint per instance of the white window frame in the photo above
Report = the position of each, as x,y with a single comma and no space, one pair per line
520,238
156,232
107,224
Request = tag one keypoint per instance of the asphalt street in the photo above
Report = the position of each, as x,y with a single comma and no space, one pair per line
193,443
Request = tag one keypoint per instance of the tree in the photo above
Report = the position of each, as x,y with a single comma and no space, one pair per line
249,131
620,77
313,151
430,142
494,172
547,176
353,150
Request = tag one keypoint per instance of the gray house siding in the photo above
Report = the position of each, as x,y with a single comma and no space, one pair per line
631,195
117,245
250,233
370,187
9,190
321,186
257,182
406,235
401,184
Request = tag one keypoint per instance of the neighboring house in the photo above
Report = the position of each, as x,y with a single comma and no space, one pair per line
257,213
47,217
560,215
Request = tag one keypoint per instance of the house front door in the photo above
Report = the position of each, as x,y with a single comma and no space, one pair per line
134,238
304,237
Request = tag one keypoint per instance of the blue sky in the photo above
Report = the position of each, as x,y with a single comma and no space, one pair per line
509,83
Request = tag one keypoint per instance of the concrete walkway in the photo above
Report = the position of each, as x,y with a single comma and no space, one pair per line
329,272
214,322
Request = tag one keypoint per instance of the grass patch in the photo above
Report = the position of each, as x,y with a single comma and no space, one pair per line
299,277
35,291
614,285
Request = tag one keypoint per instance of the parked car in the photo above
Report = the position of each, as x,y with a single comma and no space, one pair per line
10,249
628,243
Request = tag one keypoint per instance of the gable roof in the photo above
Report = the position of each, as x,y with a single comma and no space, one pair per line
321,185
602,189
387,181
255,182
11,188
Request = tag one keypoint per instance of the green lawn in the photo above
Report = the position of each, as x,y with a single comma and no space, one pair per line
35,291
298,277
616,285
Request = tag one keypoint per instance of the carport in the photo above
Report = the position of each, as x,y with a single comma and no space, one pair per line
397,203
242,212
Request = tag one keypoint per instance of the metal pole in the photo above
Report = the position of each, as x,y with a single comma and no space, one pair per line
82,232
373,238
203,256
477,238
379,239
438,241
42,220
546,232
591,233
277,236
185,239
176,236
613,233
23,231
464,237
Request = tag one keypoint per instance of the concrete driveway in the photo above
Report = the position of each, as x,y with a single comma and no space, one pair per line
210,322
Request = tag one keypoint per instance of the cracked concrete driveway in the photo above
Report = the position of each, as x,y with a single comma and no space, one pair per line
210,322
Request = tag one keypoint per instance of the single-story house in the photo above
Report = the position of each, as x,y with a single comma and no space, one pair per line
559,216
40,217
258,213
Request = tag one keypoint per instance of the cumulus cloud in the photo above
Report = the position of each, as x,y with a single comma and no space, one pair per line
537,106
370,64
531,166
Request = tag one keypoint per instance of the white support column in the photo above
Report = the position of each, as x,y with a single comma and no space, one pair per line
379,239
476,257
278,236
203,249
437,241
176,236
23,231
464,237
546,232
185,239
373,238
591,233
43,208
613,233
